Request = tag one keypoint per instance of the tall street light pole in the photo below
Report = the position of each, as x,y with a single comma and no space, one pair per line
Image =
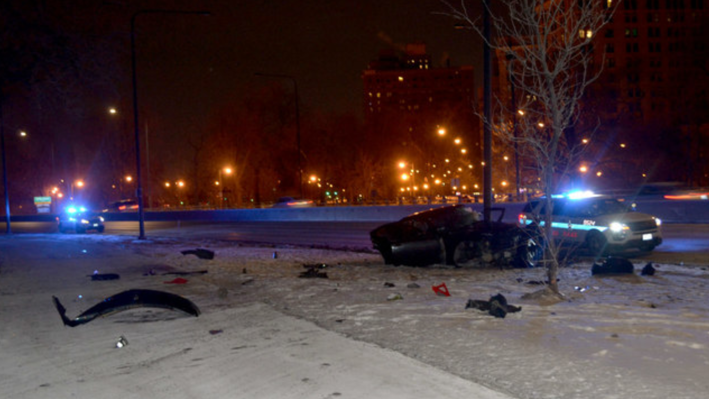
487,129
138,182
297,121
8,230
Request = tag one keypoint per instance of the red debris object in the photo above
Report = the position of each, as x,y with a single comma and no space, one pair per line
441,289
178,280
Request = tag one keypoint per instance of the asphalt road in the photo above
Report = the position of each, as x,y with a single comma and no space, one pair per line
688,243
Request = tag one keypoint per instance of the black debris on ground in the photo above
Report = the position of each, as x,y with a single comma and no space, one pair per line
104,276
648,270
313,271
187,273
613,266
200,253
535,282
496,306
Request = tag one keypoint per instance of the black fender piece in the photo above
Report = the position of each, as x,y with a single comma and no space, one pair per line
128,300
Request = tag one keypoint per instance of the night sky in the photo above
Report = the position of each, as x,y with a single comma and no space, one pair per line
188,66
192,67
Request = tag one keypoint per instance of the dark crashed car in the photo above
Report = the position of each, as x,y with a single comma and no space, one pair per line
455,235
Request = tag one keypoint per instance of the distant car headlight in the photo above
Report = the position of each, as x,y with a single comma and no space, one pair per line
658,222
101,219
84,221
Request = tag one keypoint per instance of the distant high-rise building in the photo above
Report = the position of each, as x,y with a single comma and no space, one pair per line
654,57
408,101
409,83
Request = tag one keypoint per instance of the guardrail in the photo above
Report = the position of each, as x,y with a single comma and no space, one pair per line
685,212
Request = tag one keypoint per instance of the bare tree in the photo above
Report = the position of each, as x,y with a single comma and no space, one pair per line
549,47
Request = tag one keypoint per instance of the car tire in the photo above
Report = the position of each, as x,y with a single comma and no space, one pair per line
384,248
596,243
101,229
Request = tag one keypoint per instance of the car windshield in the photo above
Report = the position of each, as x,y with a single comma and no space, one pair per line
592,208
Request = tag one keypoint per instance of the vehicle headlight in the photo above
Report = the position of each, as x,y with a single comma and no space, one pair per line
617,227
658,222
101,219
84,221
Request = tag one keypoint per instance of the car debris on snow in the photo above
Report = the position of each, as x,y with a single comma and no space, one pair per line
613,265
648,270
186,273
178,280
496,306
200,253
122,342
441,289
104,276
394,297
128,300
313,271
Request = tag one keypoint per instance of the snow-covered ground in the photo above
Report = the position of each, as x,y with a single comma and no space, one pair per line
266,333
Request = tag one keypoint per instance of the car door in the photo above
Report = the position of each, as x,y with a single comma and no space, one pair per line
418,244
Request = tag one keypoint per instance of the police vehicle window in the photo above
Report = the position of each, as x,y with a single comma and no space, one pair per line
560,208
535,207
578,209
609,206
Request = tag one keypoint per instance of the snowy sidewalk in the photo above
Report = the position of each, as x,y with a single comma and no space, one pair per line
249,352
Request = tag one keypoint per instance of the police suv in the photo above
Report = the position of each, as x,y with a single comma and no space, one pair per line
601,223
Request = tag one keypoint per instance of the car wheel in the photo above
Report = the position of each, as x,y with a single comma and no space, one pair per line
101,229
472,254
529,253
596,243
384,248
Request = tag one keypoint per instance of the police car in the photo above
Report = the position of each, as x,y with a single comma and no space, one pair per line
76,218
601,223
